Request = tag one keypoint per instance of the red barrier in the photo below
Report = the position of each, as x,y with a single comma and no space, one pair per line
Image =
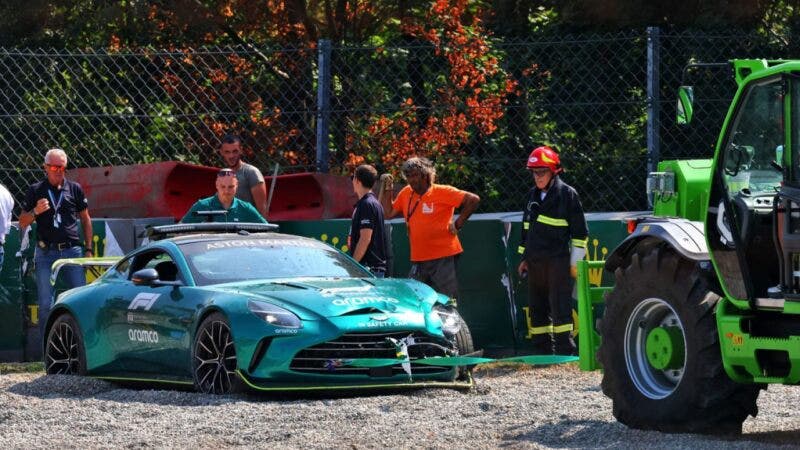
168,189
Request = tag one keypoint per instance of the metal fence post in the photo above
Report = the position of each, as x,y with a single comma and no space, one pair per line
323,103
653,101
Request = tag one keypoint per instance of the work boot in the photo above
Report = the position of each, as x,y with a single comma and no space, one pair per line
564,344
542,344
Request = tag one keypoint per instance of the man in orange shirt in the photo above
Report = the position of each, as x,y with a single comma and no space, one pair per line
432,233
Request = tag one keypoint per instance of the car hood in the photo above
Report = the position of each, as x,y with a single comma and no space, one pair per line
335,297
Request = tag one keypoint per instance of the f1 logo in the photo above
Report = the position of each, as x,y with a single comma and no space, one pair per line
144,301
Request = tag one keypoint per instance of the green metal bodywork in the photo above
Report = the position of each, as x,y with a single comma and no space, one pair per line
744,352
690,200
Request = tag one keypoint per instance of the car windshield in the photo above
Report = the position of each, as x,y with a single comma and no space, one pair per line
225,261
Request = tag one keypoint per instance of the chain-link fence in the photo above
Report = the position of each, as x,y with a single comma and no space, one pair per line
586,94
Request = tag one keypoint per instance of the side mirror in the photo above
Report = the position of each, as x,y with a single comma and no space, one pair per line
685,105
145,277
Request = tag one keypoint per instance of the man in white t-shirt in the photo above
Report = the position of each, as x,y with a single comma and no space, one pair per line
6,206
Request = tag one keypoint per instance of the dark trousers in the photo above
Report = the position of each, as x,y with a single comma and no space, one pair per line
550,297
440,274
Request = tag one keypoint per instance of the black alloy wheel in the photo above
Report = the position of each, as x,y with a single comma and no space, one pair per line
214,357
64,354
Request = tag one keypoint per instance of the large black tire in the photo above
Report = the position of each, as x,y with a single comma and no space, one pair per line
214,358
659,289
64,353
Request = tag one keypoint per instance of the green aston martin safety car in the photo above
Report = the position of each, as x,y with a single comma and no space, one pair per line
230,306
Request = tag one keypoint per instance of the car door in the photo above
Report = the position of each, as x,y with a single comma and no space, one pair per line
148,323
746,179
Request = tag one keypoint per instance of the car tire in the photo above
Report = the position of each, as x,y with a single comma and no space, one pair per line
661,294
64,353
214,361
465,346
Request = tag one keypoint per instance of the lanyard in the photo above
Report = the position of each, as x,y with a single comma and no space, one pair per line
53,201
411,209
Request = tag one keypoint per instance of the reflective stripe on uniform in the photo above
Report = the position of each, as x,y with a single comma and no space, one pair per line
521,249
541,330
562,328
580,242
526,225
551,221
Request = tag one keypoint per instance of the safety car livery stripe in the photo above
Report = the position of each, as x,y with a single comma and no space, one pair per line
455,361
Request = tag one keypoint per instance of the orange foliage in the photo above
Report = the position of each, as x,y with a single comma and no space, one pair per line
468,105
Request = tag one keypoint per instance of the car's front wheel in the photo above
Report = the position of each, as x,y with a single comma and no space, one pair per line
65,353
465,346
214,357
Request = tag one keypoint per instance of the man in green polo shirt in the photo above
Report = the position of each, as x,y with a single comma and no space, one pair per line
230,208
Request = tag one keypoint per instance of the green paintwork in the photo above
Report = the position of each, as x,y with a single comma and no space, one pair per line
685,107
743,353
455,361
664,348
590,300
692,178
125,340
468,384
740,349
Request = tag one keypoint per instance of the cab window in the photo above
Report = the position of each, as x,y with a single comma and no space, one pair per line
756,142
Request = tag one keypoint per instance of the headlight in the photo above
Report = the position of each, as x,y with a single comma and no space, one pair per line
451,321
274,315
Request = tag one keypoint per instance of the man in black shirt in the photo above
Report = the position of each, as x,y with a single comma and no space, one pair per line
367,240
56,204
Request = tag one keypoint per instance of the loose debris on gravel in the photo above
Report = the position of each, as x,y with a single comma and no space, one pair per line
510,406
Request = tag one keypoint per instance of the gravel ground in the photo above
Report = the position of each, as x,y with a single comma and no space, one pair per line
542,407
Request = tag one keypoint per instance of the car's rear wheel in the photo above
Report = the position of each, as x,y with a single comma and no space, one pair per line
65,353
214,357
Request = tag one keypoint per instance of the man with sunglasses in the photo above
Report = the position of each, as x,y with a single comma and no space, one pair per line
56,204
428,208
223,206
554,236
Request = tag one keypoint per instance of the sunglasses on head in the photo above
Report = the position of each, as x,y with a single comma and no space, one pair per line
226,173
55,168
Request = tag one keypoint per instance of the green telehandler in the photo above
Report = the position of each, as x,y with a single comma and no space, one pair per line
705,307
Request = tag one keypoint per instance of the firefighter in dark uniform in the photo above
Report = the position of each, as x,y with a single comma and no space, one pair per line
554,236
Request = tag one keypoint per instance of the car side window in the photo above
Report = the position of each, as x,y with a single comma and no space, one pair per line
120,271
161,261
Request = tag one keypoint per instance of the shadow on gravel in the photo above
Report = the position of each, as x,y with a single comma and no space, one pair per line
790,438
599,434
572,434
63,386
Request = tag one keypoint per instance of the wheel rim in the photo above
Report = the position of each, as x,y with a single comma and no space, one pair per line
215,359
648,315
62,356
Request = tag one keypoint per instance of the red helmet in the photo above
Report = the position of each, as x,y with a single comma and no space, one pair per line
545,156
